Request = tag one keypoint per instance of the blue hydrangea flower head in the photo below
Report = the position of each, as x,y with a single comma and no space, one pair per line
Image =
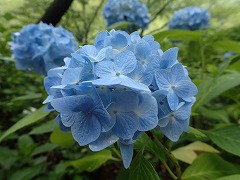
190,18
229,54
126,10
117,89
40,47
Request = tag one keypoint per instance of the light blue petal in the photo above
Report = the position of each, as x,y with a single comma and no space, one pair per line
126,125
105,68
183,112
128,82
125,62
119,41
169,58
127,154
161,77
176,74
86,130
107,81
71,76
147,112
72,104
163,122
69,119
142,50
105,95
89,50
185,89
172,100
173,130
101,54
104,140
104,118
125,101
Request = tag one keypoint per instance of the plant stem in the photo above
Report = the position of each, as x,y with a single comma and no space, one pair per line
170,155
117,153
169,170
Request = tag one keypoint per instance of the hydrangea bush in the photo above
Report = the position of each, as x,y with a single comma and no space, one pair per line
118,88
190,18
40,47
126,10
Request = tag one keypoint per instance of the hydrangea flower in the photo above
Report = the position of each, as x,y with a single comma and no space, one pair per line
118,88
40,47
190,18
126,10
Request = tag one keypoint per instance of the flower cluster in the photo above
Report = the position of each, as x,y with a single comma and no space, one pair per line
126,10
118,88
40,47
190,18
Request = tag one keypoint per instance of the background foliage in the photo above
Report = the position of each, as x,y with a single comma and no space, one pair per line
32,146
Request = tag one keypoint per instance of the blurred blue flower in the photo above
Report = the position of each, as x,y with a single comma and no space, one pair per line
189,18
229,54
40,47
109,92
126,10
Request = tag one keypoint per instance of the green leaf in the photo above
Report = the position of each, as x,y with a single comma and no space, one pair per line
63,139
28,97
120,25
27,173
7,59
43,149
142,169
196,133
44,128
7,157
26,144
227,138
219,115
177,35
232,177
227,45
91,162
26,121
150,146
190,152
217,87
209,166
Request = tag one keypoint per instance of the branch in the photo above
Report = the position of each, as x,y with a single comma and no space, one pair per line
55,11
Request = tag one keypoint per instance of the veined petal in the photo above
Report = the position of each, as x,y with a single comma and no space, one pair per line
128,82
125,101
172,100
71,76
72,104
147,112
125,62
127,154
185,89
173,130
126,125
142,50
105,68
104,140
69,119
107,81
176,74
169,57
161,77
104,118
86,130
